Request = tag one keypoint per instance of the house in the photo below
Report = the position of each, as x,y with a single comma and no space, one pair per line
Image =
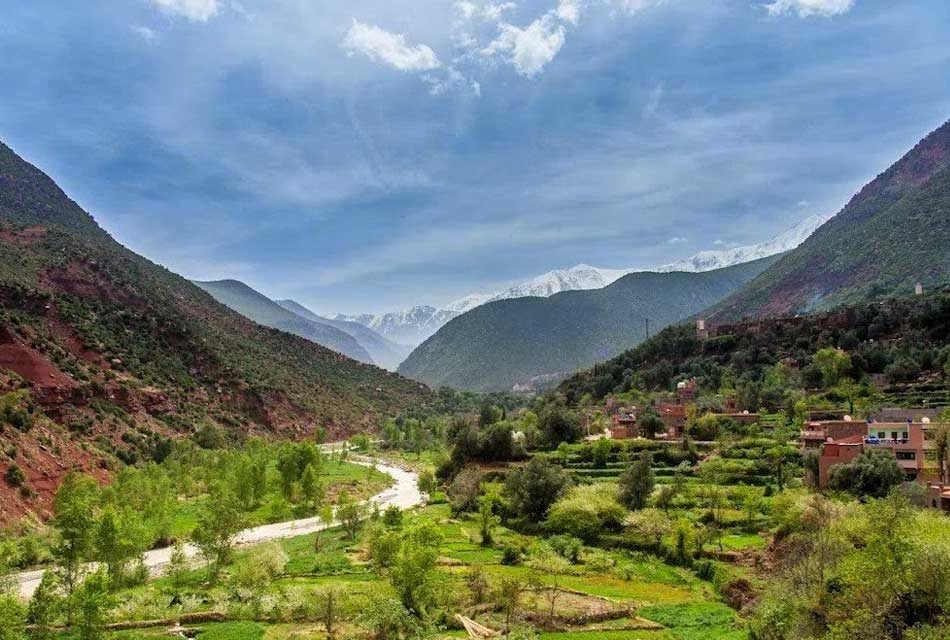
686,391
938,497
624,424
817,432
911,443
674,418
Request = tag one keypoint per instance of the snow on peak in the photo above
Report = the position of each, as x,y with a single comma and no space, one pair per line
718,259
414,325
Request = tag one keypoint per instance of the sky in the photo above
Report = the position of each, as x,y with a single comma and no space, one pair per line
370,155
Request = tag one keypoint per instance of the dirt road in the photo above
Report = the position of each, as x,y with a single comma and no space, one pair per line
404,494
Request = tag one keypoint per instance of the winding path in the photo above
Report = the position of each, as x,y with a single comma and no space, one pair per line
404,493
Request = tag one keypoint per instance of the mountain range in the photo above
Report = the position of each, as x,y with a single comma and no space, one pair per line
414,325
890,237
521,343
105,355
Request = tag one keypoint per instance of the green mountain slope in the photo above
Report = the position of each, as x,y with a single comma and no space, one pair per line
262,310
385,353
108,353
894,233
517,342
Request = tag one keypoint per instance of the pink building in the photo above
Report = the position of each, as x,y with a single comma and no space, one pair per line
911,444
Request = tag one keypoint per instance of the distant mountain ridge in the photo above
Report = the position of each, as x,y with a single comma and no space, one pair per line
511,343
257,307
416,324
385,353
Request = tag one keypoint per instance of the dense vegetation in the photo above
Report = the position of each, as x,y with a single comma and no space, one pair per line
891,235
529,340
902,340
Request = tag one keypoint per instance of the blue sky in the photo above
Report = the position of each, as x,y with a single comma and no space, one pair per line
372,154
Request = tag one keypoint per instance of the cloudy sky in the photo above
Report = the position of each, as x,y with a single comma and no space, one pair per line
371,154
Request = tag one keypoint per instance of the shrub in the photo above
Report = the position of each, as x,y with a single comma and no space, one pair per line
14,476
511,556
586,512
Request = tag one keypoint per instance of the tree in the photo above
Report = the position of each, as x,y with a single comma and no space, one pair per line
602,450
218,524
651,524
74,510
477,584
548,563
413,570
487,521
326,520
496,442
533,488
351,514
90,603
872,474
464,491
44,605
559,424
833,365
509,598
392,517
489,415
427,483
387,618
328,609
177,569
636,483
12,618
118,539
664,497
650,424
310,488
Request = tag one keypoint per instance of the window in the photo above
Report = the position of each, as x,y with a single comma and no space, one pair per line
906,455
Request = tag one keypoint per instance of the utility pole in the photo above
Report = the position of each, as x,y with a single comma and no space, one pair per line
646,321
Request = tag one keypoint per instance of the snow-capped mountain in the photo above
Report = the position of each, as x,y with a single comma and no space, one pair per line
413,326
786,241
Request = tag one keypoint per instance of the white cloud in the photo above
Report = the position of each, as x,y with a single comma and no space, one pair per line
678,240
529,49
635,6
389,48
806,8
194,10
719,242
490,11
569,11
144,32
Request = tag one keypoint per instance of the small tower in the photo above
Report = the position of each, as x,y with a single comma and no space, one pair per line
919,289
701,331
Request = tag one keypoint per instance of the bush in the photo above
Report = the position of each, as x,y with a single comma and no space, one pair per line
511,556
14,476
587,512
872,474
